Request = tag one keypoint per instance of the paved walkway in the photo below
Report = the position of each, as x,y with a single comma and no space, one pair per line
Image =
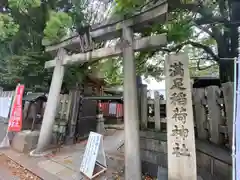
64,165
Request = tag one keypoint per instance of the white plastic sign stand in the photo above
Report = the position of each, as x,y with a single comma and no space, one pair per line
94,158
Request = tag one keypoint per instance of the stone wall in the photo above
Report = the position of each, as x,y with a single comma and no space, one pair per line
211,159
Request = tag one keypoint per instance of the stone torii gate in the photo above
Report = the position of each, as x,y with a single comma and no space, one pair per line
107,31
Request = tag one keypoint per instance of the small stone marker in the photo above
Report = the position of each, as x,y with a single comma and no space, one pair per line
180,128
94,158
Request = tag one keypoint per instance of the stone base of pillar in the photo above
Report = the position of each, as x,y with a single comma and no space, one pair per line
100,125
25,141
163,174
100,128
69,140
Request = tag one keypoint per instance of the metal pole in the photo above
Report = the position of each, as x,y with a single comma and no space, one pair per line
235,146
234,123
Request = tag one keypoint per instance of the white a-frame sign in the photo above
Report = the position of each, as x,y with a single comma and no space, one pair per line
94,159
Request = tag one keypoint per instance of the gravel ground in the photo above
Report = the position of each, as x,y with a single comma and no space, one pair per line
9,170
15,170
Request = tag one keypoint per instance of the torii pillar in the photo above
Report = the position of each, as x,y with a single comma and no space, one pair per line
51,106
131,115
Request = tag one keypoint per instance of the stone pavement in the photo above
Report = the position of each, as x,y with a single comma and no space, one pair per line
64,165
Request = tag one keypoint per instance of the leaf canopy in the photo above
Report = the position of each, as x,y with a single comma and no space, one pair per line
202,26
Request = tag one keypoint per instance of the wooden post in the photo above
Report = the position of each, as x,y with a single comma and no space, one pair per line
100,120
213,96
144,108
52,103
75,97
227,89
180,128
139,89
200,113
157,111
131,119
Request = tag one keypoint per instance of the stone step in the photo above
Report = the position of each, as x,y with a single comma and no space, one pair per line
25,141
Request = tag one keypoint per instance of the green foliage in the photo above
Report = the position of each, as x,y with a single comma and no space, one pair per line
75,74
112,70
179,27
27,22
126,7
209,41
27,69
57,26
24,5
8,27
23,27
186,1
202,24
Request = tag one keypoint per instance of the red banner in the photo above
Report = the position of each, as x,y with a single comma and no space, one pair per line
15,121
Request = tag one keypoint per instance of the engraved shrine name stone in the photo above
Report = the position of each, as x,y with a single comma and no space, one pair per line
180,127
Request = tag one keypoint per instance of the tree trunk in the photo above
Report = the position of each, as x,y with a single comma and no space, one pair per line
226,70
226,62
228,44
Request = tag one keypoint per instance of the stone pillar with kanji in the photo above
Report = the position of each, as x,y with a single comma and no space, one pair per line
180,125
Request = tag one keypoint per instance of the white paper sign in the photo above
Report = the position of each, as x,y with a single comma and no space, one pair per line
113,108
94,153
5,105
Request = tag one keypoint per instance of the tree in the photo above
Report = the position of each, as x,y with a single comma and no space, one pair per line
25,24
203,24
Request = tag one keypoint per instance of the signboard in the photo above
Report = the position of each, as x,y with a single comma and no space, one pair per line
15,120
94,159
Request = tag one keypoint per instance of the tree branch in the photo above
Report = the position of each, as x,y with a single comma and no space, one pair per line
204,68
207,49
206,30
212,20
208,18
206,13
